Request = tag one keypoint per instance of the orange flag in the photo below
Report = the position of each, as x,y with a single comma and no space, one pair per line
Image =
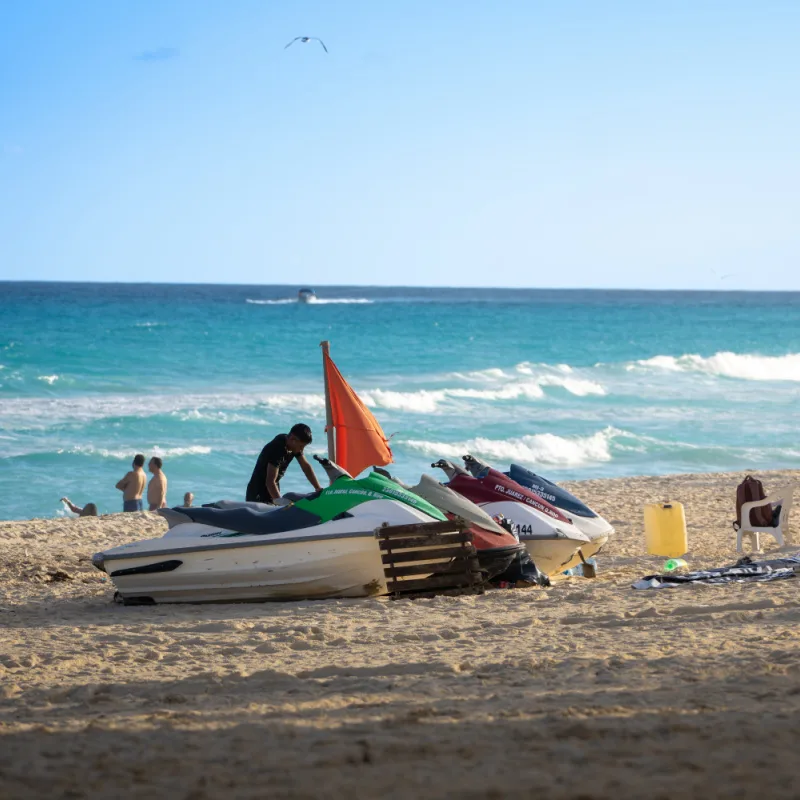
360,441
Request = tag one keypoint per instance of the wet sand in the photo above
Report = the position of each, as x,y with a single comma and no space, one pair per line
587,689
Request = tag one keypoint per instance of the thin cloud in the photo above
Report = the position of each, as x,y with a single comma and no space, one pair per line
158,54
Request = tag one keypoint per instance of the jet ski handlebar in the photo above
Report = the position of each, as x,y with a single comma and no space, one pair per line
332,469
450,469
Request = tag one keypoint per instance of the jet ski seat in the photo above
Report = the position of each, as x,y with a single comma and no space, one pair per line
246,520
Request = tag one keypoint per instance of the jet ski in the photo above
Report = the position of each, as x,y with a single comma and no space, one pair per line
550,536
497,547
321,546
589,522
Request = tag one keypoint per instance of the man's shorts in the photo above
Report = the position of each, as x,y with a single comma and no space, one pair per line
132,505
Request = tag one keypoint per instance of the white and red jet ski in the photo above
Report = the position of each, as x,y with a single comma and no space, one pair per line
584,518
551,537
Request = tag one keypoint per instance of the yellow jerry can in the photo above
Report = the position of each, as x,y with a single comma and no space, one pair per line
665,529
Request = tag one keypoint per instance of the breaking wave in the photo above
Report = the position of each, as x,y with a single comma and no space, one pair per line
428,401
728,365
38,413
542,448
163,452
538,375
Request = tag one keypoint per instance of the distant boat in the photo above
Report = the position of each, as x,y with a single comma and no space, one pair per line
306,296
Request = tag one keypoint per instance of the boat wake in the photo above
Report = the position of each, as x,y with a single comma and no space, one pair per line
312,301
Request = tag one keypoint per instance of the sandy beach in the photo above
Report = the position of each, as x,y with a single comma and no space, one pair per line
587,689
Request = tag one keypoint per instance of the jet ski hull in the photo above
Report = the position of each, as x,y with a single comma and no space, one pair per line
195,562
584,518
551,539
495,561
550,547
246,568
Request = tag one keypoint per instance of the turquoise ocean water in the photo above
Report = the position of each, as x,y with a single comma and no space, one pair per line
574,383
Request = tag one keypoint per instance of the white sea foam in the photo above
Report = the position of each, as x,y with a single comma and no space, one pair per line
744,366
511,391
176,452
580,387
293,402
347,301
163,452
149,324
222,417
484,375
421,402
429,401
39,413
49,379
539,374
541,448
282,302
528,367
44,412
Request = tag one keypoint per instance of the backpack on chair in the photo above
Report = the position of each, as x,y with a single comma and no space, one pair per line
747,491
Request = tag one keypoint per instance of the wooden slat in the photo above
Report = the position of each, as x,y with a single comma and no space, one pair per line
434,582
432,540
431,554
445,526
453,567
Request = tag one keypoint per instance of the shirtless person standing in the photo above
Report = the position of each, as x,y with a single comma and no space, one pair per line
157,488
132,485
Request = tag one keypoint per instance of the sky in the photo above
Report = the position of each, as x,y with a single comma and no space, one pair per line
517,143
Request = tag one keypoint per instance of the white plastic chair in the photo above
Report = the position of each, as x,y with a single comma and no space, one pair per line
783,497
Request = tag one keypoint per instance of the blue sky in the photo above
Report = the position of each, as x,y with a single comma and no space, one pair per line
517,143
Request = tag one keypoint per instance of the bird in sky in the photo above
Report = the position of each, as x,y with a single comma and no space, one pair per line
306,40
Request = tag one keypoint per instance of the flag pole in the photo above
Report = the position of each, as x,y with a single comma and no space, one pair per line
326,352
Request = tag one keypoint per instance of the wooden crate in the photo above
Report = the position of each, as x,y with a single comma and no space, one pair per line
441,554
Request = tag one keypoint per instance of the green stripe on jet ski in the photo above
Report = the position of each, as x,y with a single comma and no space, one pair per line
346,493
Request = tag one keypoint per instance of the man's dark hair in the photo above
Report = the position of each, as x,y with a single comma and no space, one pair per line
302,432
157,461
138,460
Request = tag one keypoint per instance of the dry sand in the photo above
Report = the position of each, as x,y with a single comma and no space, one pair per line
587,689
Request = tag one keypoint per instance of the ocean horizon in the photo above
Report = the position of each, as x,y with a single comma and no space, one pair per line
574,383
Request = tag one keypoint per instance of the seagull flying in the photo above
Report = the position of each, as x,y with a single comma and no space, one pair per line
723,277
306,40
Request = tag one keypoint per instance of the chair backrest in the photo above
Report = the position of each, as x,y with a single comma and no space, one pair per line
747,491
786,497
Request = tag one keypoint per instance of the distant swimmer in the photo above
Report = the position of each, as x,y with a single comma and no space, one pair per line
89,510
306,40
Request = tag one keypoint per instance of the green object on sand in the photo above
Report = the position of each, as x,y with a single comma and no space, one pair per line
673,564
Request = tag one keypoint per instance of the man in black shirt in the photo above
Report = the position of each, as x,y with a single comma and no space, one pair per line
264,486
